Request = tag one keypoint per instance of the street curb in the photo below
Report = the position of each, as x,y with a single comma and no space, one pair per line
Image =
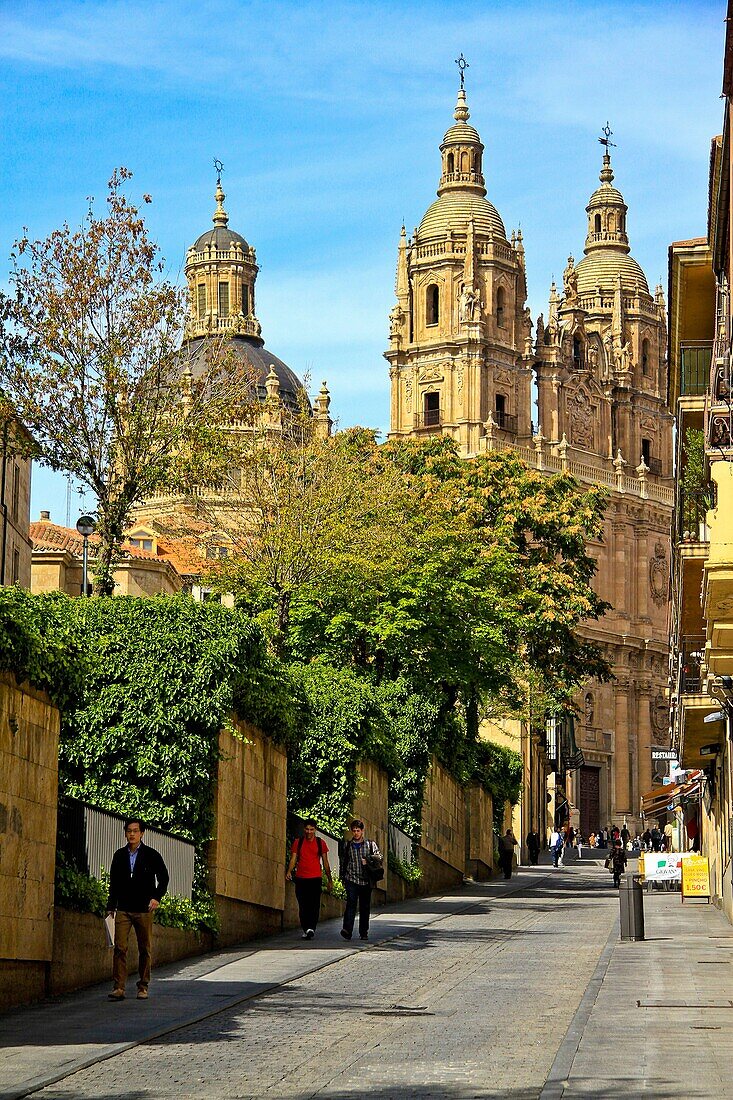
38,1083
557,1078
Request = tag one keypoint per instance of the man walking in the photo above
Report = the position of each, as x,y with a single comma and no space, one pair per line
618,860
506,852
556,843
533,846
357,858
138,879
306,856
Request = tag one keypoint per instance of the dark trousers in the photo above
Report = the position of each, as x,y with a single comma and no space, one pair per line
143,925
308,893
534,855
505,862
360,896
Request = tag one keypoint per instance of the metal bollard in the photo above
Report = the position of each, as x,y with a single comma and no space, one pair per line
631,896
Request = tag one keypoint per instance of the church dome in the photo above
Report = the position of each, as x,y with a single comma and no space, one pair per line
461,191
454,210
258,361
601,267
221,237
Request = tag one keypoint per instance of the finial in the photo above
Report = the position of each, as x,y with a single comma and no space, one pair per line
606,139
606,175
220,215
462,66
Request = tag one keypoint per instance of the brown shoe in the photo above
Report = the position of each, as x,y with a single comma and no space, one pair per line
142,994
116,995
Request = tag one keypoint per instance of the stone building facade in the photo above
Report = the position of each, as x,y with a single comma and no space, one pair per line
463,362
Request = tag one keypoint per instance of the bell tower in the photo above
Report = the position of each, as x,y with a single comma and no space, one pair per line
460,349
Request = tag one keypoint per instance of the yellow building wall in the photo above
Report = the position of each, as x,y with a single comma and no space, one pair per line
444,817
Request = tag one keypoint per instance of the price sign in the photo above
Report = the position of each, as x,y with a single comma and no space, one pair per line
695,877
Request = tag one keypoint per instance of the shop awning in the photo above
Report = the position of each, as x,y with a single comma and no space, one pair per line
661,797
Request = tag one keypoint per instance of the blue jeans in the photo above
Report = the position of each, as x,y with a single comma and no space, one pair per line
361,896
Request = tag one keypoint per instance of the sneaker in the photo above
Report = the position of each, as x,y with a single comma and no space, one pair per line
116,995
365,936
346,935
305,936
310,933
142,994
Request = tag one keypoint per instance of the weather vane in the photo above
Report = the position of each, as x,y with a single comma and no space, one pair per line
462,66
606,139
219,169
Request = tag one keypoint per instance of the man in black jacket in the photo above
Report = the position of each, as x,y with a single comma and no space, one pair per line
138,879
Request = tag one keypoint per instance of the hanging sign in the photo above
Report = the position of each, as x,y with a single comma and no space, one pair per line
695,877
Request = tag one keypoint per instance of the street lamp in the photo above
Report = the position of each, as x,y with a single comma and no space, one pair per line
86,526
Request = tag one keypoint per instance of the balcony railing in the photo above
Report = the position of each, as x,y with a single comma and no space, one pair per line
695,368
506,422
430,418
693,507
692,652
654,465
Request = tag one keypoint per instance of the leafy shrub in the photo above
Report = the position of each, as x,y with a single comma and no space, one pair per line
410,872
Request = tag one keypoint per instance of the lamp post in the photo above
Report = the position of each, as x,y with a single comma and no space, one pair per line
86,526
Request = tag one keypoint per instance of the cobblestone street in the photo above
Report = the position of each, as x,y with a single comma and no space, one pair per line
475,1004
500,990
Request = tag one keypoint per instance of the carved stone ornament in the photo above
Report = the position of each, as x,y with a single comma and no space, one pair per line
502,375
659,575
431,372
580,415
469,305
396,318
659,716
649,424
459,379
408,394
724,607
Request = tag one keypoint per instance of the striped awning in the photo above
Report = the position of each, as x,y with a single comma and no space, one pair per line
672,793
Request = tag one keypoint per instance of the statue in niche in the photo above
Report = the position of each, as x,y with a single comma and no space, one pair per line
589,710
592,357
469,304
540,327
624,357
570,282
396,318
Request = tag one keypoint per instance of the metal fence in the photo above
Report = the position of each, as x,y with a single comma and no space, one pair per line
89,837
400,844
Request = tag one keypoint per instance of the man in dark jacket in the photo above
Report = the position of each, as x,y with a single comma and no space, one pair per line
138,879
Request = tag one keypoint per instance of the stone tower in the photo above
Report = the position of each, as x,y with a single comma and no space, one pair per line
601,355
460,348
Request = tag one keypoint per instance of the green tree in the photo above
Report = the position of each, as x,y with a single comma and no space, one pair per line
91,362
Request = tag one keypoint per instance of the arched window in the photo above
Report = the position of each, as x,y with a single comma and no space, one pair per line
464,162
432,305
223,299
500,307
245,300
450,164
201,298
644,356
611,223
578,352
597,223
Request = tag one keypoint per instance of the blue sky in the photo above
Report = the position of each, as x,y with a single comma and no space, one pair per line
328,119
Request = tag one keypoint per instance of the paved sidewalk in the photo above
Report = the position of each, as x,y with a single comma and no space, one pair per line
657,1018
45,1043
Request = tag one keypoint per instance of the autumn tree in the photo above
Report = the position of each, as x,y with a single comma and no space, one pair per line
91,360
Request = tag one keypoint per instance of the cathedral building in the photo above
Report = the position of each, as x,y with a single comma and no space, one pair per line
463,363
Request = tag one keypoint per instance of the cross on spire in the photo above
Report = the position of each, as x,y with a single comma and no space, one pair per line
606,139
462,66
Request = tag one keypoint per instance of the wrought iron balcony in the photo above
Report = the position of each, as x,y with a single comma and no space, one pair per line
692,509
692,652
695,368
430,418
506,422
655,466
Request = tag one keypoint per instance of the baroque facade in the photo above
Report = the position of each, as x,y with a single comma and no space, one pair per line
463,363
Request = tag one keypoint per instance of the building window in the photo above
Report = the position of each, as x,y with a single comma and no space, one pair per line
245,300
646,452
217,553
431,409
645,357
201,299
500,409
15,506
578,356
142,544
597,223
450,163
223,299
15,574
464,162
432,304
500,307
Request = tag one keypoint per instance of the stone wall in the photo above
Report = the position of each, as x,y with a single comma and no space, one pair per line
29,739
247,853
480,832
371,807
443,844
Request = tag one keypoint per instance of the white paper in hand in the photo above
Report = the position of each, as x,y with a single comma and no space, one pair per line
109,928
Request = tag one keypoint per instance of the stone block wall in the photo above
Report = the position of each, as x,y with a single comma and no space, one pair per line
371,806
443,843
29,739
480,832
247,854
